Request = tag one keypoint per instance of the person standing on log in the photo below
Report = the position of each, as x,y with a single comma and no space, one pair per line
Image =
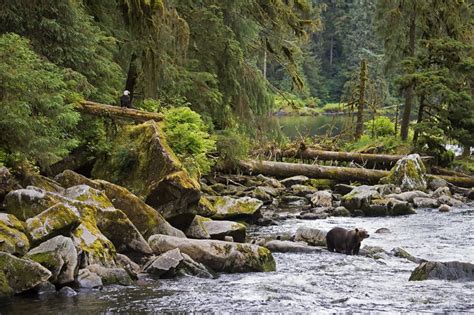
125,100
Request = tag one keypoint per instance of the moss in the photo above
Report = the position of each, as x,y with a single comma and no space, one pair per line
11,221
13,241
5,289
231,208
257,258
322,183
206,207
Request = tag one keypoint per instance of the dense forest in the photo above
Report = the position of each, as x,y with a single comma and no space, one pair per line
234,63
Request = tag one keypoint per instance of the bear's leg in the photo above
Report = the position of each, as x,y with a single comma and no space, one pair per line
356,249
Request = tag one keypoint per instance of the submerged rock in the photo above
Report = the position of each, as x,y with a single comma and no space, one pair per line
444,208
18,275
67,292
402,253
218,230
311,236
453,270
218,255
231,208
409,173
277,246
59,256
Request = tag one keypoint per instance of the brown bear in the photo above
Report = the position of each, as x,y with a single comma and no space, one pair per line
345,241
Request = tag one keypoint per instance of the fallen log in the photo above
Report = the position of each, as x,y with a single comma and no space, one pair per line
103,110
343,174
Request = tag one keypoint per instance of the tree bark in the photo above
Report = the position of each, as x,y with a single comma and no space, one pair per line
361,103
97,109
409,93
342,174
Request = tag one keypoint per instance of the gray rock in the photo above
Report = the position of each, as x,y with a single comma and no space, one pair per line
453,270
132,268
409,196
343,189
111,275
164,265
12,240
87,279
421,202
67,292
218,255
45,288
261,194
360,197
446,200
444,208
341,212
290,181
274,192
277,246
18,275
375,252
197,229
302,190
218,230
311,236
189,267
383,231
270,181
231,208
402,253
322,199
294,200
312,216
59,256
441,191
434,182
409,174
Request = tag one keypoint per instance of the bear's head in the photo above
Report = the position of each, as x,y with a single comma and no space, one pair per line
361,234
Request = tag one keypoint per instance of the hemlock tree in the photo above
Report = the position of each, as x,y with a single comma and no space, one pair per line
36,117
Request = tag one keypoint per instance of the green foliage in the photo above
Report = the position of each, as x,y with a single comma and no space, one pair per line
232,145
149,105
334,107
379,127
188,136
384,144
36,105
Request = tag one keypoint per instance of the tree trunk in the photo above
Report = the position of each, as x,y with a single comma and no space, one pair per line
97,109
132,76
361,103
331,51
420,117
341,174
409,93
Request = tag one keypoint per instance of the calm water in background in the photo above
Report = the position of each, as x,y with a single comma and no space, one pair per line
319,282
307,126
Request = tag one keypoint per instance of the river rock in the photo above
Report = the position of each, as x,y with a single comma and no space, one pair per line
146,219
260,193
302,190
343,189
197,229
27,203
67,292
111,275
450,201
312,216
409,174
421,202
132,268
218,255
229,208
360,197
88,280
453,270
218,230
60,219
311,236
59,256
12,222
409,196
12,240
383,231
164,265
18,275
296,201
322,199
116,226
277,246
402,253
442,191
274,192
341,212
290,181
189,267
142,161
45,288
444,208
375,252
435,182
270,181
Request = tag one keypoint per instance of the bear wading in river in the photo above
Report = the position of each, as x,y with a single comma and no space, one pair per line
345,241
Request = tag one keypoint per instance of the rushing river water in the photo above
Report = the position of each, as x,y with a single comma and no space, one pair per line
317,282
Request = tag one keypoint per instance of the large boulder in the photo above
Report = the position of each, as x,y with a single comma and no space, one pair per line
142,161
12,240
360,197
421,202
60,219
311,236
218,255
218,230
197,229
12,222
452,270
88,279
59,256
18,275
322,198
27,203
409,196
409,173
277,246
229,208
116,226
111,275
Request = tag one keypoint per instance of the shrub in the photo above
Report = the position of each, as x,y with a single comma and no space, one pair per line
379,127
189,138
232,146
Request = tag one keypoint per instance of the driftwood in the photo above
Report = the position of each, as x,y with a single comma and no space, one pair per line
343,174
97,109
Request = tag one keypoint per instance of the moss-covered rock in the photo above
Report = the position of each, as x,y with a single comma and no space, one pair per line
142,161
18,275
452,270
11,221
27,203
409,173
314,237
230,208
116,226
218,255
12,240
60,219
206,208
360,197
197,229
59,256
89,195
42,182
111,275
218,230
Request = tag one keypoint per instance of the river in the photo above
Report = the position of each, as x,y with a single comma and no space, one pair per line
308,126
319,282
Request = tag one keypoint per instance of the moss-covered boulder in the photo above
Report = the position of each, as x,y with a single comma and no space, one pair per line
360,197
18,275
27,203
11,221
452,270
146,219
60,219
45,183
142,161
111,275
314,237
229,208
409,173
12,240
218,255
116,226
59,256
88,195
218,230
197,229
206,208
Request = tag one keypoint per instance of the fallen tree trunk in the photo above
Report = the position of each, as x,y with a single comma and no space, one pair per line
343,174
360,158
103,110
